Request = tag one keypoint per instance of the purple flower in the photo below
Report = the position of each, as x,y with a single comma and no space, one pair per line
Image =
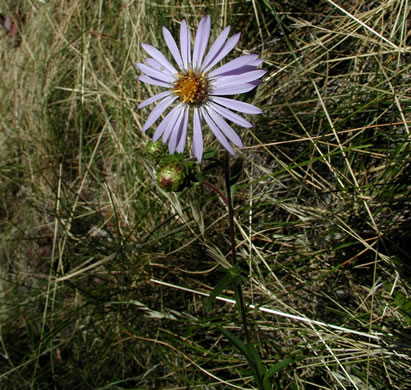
198,88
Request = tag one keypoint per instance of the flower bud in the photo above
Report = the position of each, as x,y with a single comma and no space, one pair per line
175,174
156,150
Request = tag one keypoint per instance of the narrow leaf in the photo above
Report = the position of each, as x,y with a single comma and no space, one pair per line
220,286
273,370
248,352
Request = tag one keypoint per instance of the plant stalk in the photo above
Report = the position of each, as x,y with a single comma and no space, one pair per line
237,285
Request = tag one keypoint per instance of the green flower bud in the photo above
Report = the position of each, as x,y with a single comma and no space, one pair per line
156,150
174,174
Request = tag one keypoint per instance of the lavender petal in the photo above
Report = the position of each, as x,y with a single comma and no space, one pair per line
173,124
215,48
159,57
219,135
233,89
172,46
233,64
156,74
201,41
185,45
236,105
197,135
181,142
231,116
229,45
154,98
222,81
149,80
177,130
238,71
225,128
158,110
156,65
169,120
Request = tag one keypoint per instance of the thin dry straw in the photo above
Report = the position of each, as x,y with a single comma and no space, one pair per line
271,311
365,26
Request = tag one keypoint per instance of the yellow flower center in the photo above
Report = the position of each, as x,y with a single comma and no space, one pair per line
191,88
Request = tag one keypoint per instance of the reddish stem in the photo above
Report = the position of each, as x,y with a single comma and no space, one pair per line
217,191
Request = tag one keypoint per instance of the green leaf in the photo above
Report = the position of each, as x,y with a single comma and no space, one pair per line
209,154
233,277
220,286
249,352
273,370
235,272
234,340
254,356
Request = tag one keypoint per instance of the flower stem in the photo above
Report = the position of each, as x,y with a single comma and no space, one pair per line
216,190
237,285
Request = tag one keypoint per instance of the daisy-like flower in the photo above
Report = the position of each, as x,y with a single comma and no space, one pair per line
198,88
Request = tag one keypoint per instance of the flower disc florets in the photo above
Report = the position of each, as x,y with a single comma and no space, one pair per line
192,88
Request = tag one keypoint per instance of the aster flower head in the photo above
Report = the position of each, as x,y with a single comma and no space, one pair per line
198,88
